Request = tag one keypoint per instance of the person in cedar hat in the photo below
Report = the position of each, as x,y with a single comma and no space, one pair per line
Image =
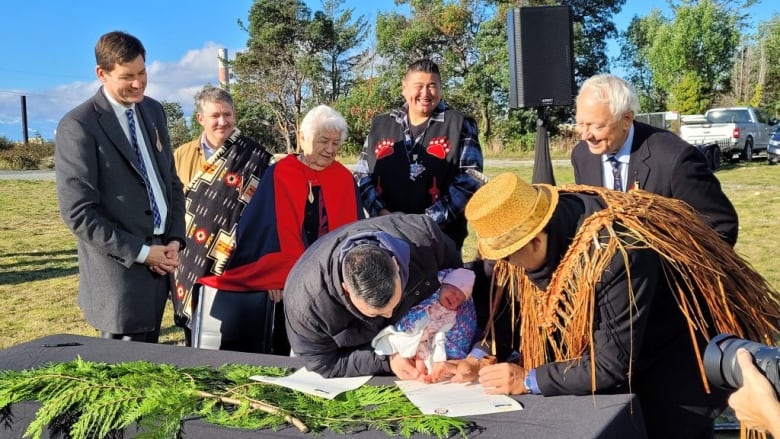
612,292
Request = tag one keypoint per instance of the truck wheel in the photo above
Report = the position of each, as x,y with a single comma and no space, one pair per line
747,153
715,158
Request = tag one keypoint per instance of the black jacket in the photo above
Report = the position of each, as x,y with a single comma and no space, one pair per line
641,338
323,327
664,164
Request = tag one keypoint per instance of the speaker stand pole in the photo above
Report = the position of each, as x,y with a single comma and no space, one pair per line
543,170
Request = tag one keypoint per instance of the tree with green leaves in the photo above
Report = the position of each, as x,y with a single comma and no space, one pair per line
687,95
487,80
636,42
177,125
367,98
767,51
692,55
294,60
593,26
344,56
281,64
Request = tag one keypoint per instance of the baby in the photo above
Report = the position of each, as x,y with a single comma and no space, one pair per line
439,328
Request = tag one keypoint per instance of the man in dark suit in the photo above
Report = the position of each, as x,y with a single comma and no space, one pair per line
119,194
617,152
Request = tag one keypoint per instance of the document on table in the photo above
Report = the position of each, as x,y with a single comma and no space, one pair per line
455,399
313,383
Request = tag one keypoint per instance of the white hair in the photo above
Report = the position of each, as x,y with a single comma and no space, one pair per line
609,89
323,118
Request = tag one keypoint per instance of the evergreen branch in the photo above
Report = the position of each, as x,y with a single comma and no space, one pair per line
260,405
82,399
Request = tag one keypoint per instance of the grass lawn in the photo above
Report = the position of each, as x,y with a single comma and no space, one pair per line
38,267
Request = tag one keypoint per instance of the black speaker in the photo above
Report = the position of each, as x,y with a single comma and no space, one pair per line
541,56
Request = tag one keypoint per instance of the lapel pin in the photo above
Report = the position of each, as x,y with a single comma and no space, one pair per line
157,136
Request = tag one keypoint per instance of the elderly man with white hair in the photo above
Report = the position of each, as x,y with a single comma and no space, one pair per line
617,152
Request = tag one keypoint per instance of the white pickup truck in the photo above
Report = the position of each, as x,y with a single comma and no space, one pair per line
739,132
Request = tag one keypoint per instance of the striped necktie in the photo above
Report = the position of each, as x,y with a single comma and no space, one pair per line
142,167
617,180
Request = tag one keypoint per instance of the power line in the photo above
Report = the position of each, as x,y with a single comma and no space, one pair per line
24,93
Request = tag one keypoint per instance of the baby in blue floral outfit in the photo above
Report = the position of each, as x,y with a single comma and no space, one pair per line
439,328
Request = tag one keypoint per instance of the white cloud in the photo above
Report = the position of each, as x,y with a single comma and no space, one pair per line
180,81
176,82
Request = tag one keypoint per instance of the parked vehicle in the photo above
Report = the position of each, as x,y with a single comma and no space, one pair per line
660,119
773,150
739,132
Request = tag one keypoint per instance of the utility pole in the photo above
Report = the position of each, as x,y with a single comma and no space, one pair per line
25,138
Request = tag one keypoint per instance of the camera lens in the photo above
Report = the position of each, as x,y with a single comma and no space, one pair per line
722,369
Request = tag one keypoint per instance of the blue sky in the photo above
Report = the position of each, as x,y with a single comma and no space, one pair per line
47,48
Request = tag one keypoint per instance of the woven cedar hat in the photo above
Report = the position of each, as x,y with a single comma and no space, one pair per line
507,213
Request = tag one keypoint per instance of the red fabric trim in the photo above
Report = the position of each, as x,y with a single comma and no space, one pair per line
291,177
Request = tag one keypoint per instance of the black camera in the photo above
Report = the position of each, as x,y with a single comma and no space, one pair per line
722,369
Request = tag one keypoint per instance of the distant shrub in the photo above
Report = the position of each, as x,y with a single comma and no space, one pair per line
564,141
18,156
5,143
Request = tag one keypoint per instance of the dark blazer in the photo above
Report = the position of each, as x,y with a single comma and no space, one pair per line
103,200
639,332
664,164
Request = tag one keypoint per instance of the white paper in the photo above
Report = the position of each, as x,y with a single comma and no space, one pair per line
314,384
455,399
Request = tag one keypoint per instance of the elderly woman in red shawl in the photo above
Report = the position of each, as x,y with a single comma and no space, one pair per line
299,199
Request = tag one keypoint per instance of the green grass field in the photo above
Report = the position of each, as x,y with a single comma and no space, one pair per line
38,267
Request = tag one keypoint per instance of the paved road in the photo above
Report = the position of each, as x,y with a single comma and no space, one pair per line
45,175
48,175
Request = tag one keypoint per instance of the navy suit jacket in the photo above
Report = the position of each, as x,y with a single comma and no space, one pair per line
664,164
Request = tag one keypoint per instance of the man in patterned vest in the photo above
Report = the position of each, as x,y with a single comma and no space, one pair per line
220,171
415,157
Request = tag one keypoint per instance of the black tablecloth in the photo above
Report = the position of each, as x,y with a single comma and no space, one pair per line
602,416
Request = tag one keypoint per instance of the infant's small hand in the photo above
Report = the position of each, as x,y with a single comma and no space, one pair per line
467,371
